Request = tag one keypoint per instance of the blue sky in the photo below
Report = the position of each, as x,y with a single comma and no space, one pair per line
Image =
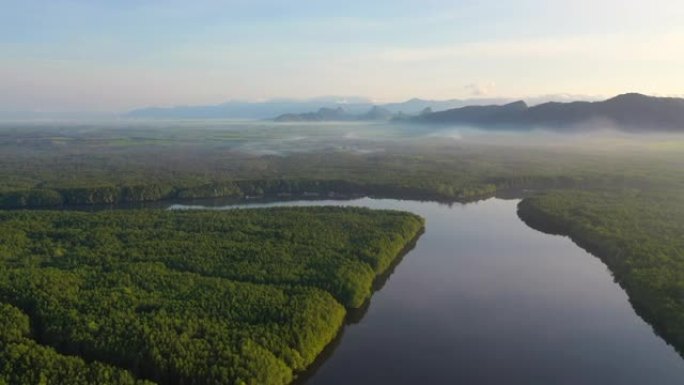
99,55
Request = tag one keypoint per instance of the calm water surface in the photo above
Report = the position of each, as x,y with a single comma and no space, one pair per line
484,299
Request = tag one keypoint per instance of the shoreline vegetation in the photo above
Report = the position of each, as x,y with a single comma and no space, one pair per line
637,236
238,191
285,189
247,296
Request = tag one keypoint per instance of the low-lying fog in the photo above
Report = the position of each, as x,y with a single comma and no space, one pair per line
270,138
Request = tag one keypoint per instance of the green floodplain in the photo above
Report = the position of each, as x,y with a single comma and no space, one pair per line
251,296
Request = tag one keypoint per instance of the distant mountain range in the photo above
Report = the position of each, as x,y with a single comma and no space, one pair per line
340,114
631,112
271,109
628,112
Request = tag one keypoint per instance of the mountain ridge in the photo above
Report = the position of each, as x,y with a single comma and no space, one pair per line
630,112
273,108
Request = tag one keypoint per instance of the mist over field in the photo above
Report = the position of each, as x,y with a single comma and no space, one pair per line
208,152
270,138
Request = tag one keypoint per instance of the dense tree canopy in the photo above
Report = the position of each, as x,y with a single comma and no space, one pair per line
245,296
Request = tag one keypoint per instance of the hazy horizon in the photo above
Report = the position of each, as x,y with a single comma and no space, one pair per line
300,105
99,57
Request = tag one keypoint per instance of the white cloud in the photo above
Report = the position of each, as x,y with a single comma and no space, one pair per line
480,89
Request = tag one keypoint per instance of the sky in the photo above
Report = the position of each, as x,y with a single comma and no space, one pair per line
115,55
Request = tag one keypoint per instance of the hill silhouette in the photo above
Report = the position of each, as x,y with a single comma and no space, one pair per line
631,112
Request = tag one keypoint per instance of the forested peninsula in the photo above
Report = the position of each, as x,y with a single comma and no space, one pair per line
199,297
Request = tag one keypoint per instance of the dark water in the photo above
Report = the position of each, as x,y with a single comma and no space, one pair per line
483,299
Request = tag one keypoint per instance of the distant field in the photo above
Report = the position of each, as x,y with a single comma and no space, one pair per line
103,164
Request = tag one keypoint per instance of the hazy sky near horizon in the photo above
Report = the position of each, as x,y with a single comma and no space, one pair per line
107,55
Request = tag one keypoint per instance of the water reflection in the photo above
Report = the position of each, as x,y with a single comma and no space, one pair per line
483,299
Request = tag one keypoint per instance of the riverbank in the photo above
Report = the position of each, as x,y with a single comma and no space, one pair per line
639,238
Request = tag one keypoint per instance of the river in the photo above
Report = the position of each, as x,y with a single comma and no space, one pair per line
484,299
